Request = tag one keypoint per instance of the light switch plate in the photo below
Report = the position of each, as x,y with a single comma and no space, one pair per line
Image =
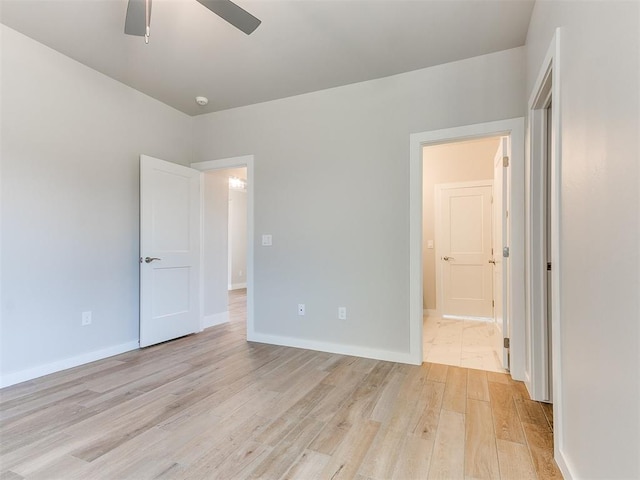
267,240
429,243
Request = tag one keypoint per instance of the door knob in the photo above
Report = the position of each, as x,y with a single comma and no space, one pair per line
492,261
151,259
448,258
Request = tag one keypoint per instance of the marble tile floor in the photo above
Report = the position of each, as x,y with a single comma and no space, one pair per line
462,343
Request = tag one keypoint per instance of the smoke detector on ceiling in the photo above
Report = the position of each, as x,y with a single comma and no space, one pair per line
202,101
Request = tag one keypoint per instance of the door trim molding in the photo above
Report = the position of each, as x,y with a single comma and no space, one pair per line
515,128
437,229
550,72
235,162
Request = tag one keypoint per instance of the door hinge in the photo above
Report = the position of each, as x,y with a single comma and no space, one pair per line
505,252
548,266
505,161
506,342
491,199
493,303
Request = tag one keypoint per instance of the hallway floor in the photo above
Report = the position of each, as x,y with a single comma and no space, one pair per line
237,304
462,343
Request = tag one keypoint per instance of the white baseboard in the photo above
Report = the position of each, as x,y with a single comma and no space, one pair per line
53,367
352,350
237,286
563,465
430,312
215,319
474,319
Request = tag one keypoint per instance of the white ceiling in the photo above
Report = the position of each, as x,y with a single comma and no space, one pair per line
301,46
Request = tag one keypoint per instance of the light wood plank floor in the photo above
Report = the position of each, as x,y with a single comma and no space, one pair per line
214,406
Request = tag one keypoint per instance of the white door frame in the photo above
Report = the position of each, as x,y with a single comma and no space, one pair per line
236,162
438,231
499,239
547,83
513,127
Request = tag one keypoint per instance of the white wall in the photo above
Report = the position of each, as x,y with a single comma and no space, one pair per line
70,182
237,238
331,186
215,245
600,241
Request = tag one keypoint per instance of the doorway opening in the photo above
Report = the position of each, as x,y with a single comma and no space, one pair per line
543,230
462,250
227,258
512,247
544,359
237,244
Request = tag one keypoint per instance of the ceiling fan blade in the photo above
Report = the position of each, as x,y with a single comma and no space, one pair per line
232,13
136,22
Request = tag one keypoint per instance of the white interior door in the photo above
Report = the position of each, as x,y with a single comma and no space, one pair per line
169,250
500,240
465,232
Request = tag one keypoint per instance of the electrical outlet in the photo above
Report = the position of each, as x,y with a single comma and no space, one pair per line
342,313
86,318
301,309
267,240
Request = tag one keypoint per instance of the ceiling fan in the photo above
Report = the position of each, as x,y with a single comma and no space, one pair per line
139,16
